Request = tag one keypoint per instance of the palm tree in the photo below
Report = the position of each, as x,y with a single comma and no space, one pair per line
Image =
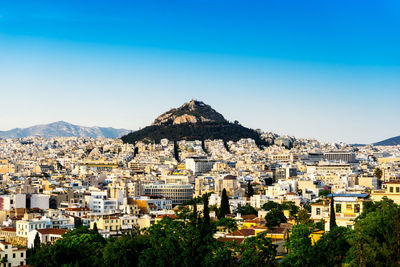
378,174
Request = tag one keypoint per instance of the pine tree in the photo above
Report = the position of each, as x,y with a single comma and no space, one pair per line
225,207
332,222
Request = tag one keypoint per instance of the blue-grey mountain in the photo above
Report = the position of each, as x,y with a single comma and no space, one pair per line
394,141
64,129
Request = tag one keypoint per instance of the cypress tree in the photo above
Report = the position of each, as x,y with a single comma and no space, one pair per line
95,228
224,208
176,151
36,241
206,210
332,222
250,189
194,206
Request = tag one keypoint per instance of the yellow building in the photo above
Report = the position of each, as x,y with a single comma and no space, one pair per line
388,160
347,208
6,167
316,235
390,190
114,223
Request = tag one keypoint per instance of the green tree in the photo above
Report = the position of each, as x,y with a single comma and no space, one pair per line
378,174
320,224
95,228
125,250
332,248
300,247
376,238
206,211
80,247
185,241
246,210
36,241
224,208
270,205
229,223
250,189
176,151
291,207
304,217
258,251
274,218
332,221
324,193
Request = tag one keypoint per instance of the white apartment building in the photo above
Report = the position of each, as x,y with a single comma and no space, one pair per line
25,225
198,165
178,193
40,201
99,203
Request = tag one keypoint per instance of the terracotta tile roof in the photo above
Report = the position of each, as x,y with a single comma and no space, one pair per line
52,231
393,182
252,221
172,216
249,217
9,229
243,232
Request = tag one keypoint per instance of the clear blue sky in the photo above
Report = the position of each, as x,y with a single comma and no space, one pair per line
323,69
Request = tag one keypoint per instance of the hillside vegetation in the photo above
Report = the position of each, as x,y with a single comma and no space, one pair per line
190,131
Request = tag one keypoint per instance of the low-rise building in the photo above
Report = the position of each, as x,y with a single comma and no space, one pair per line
347,208
49,235
390,190
12,256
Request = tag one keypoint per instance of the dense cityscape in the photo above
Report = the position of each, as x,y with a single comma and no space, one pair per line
237,202
199,133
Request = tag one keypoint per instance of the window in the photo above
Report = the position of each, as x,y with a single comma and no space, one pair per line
357,208
391,189
318,211
13,255
338,208
397,189
22,254
349,206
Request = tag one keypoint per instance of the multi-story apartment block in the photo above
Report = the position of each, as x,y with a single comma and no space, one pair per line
178,193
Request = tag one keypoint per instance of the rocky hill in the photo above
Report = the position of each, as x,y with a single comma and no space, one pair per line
63,129
192,121
192,112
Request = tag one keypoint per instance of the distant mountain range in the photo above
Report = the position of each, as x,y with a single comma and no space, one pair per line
194,120
389,142
64,129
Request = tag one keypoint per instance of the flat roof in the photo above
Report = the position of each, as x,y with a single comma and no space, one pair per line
348,195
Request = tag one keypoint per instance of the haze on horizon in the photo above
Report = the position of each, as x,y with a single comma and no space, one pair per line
325,70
